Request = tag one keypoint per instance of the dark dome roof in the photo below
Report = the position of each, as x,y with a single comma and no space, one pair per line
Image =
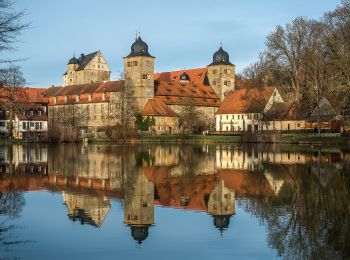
184,76
73,61
139,233
221,57
221,222
139,48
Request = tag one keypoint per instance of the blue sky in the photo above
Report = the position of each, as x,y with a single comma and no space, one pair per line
181,34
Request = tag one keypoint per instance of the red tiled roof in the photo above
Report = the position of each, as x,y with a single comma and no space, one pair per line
36,95
110,86
31,95
197,76
157,108
249,100
176,93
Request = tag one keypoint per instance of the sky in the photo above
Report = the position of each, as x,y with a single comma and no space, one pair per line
181,34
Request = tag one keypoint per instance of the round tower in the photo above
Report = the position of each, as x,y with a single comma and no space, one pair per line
221,73
138,73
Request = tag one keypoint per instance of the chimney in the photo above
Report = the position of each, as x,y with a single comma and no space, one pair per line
82,56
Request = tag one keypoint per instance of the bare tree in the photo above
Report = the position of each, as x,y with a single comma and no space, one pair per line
285,46
11,26
12,93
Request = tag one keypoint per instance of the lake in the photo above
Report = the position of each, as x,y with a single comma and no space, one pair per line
73,201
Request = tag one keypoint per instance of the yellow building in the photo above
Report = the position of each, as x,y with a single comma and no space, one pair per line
88,68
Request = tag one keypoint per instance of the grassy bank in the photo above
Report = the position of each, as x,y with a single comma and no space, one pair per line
190,139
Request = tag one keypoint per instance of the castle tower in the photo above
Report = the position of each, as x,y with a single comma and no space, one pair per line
138,73
221,73
70,77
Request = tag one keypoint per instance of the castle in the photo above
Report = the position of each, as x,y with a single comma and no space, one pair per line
89,99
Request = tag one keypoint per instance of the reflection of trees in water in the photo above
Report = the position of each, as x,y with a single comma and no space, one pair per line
307,219
11,205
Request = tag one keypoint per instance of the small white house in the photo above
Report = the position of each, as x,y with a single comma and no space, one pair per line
242,109
30,123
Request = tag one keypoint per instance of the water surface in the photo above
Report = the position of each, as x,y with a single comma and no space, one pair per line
173,202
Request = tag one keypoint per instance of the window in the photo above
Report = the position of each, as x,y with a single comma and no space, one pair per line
214,71
31,112
89,97
31,124
40,125
24,112
54,100
226,116
2,124
238,116
134,63
129,64
39,112
77,98
144,76
36,125
65,99
103,96
24,125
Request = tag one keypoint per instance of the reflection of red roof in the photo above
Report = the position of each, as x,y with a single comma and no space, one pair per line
249,100
175,93
197,76
157,108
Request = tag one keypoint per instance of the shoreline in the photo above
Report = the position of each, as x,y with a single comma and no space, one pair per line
209,139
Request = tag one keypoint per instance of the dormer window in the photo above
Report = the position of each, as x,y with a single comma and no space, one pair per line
89,97
39,112
31,112
77,98
65,99
24,112
54,100
103,96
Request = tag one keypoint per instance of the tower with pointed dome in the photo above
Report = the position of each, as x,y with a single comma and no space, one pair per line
138,73
221,73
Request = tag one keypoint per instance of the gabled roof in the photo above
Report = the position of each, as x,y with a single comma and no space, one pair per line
282,111
110,86
85,59
176,93
197,76
249,100
158,108
324,111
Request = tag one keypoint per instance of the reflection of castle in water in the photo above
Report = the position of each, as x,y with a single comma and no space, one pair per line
201,178
86,208
139,205
221,205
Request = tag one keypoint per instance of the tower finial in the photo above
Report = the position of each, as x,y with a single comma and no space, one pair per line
221,44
